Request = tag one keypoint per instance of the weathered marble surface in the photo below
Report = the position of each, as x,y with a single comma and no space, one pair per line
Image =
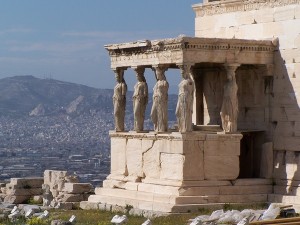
119,100
184,108
159,110
140,99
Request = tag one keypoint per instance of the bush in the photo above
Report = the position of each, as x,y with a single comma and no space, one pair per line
36,221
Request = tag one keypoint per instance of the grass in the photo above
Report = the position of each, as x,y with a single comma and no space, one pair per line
97,217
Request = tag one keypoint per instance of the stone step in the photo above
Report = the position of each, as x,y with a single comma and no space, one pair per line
180,204
171,199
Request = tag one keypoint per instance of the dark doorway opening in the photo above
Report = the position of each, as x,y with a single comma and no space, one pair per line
250,156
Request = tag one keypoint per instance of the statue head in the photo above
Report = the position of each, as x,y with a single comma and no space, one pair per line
160,73
119,75
140,74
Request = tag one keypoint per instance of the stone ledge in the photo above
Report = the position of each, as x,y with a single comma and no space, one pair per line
220,7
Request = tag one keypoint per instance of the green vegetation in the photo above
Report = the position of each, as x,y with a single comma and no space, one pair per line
97,217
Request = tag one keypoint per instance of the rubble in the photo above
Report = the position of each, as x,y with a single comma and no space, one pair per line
247,217
20,190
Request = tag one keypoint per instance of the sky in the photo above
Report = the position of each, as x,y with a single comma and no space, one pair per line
64,39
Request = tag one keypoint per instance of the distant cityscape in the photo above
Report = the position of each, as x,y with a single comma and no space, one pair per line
73,136
30,145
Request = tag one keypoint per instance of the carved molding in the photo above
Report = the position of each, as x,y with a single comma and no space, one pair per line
220,7
168,46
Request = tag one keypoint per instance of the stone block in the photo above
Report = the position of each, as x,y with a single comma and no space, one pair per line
78,188
226,20
291,143
274,29
297,12
114,184
279,165
134,157
245,190
266,165
287,41
245,17
199,191
51,176
221,148
251,182
289,55
15,199
171,166
23,191
284,13
118,156
38,199
72,198
34,182
221,168
131,186
197,199
253,31
264,15
193,168
204,23
244,198
64,205
158,189
151,160
88,205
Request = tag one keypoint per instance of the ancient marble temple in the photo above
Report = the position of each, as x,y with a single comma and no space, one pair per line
237,112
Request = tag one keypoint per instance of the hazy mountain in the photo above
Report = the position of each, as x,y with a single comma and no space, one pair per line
20,95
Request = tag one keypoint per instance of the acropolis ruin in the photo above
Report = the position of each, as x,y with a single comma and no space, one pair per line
237,138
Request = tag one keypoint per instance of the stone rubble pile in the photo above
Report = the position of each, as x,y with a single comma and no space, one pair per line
245,217
61,190
56,189
14,212
20,190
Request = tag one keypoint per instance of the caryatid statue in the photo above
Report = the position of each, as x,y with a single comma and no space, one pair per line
159,111
140,99
184,108
229,109
119,99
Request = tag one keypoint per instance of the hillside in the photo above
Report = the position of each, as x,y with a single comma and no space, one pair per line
21,94
44,122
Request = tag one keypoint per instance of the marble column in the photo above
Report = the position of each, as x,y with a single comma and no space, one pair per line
119,99
140,99
229,109
184,108
159,111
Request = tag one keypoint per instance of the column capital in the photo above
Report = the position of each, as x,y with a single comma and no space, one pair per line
160,67
231,69
232,66
139,69
270,70
159,71
119,69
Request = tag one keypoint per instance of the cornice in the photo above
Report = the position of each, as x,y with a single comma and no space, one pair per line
188,44
222,6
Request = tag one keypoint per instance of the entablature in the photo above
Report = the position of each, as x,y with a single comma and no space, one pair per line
191,50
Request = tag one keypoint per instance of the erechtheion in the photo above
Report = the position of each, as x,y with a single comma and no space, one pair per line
238,135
